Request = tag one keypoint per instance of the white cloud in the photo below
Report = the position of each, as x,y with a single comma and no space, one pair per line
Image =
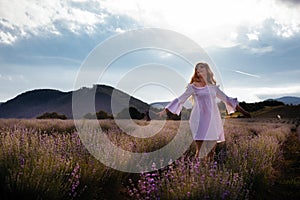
35,17
207,22
70,61
258,50
256,94
253,36
210,22
287,31
290,2
119,30
7,38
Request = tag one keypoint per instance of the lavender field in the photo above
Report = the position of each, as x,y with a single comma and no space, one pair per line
45,159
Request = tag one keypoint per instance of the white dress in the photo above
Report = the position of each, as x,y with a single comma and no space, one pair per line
205,120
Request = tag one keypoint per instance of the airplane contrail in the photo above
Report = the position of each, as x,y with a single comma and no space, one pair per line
247,74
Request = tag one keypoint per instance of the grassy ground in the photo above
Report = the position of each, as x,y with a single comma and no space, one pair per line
287,182
285,112
45,159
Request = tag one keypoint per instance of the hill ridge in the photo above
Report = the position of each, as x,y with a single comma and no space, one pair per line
289,100
33,103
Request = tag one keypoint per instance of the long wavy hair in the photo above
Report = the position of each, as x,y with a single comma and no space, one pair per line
210,75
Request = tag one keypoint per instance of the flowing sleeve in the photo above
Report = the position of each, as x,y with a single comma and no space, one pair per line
230,102
176,105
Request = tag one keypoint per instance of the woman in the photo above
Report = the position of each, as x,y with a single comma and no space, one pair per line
205,120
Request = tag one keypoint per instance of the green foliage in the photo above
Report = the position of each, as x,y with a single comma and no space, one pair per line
131,113
185,113
103,115
251,107
172,116
89,116
52,115
99,115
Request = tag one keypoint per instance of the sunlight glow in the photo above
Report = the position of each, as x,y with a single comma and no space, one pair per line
256,94
208,22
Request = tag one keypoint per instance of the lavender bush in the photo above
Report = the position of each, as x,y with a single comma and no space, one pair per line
45,159
242,165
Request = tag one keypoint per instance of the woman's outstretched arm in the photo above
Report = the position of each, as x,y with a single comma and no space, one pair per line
232,104
176,105
162,113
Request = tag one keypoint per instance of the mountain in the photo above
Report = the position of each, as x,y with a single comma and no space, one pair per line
36,102
163,104
289,100
159,105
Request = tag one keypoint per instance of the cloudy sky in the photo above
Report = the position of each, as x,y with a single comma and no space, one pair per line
255,44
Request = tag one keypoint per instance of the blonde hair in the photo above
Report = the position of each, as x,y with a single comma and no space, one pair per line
210,74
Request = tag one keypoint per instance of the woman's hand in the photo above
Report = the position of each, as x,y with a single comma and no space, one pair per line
247,115
162,113
244,112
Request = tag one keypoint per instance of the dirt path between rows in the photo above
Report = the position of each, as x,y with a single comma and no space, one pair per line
287,180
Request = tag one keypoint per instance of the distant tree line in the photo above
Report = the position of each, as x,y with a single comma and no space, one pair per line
99,115
133,113
126,113
251,107
52,115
